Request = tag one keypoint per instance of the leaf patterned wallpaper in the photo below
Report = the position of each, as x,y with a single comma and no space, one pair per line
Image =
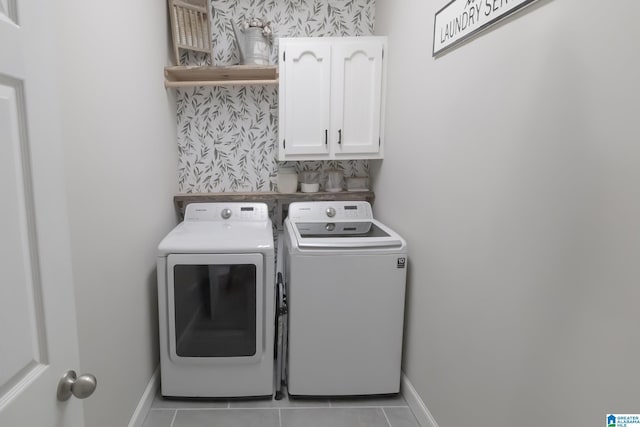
7,9
227,136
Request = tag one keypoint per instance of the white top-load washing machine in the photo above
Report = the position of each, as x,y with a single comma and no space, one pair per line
216,302
345,274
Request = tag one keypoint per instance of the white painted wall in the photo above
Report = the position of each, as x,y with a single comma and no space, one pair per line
523,149
121,174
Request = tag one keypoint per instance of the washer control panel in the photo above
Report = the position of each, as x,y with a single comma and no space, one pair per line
226,212
335,211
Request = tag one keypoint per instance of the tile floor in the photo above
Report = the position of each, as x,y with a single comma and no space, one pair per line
359,412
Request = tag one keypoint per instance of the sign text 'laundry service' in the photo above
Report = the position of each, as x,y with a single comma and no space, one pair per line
460,19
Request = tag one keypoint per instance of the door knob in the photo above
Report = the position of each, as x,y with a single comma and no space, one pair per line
81,387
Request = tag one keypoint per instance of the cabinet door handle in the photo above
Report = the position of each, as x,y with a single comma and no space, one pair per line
340,136
326,136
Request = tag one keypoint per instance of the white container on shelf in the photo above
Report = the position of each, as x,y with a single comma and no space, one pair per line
309,187
309,181
334,181
287,180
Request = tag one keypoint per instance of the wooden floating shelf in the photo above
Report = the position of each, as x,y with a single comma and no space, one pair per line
188,76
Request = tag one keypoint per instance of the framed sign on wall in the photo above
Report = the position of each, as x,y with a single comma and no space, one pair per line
461,19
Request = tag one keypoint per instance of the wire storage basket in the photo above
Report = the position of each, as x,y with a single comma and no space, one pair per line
190,26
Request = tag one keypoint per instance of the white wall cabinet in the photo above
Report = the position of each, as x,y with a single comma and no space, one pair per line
331,98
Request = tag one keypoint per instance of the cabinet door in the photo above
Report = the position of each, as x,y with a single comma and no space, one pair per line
305,90
356,96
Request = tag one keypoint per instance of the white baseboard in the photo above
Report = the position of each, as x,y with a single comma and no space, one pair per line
137,419
417,406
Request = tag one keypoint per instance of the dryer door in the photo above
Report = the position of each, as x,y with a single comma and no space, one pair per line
215,307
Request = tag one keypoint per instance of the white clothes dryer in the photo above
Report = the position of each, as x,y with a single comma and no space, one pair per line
216,302
345,274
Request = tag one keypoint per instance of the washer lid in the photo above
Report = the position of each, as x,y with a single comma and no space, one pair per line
217,236
345,234
323,230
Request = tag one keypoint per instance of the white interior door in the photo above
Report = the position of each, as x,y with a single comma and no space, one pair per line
38,333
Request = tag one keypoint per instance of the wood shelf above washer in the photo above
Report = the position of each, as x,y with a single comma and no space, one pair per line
188,76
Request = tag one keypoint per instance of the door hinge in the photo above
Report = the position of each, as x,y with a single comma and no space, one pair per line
379,142
284,143
284,56
382,53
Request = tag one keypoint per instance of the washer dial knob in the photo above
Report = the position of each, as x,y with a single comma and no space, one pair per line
226,213
331,212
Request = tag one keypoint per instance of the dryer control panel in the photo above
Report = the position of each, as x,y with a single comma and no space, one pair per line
329,211
237,212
